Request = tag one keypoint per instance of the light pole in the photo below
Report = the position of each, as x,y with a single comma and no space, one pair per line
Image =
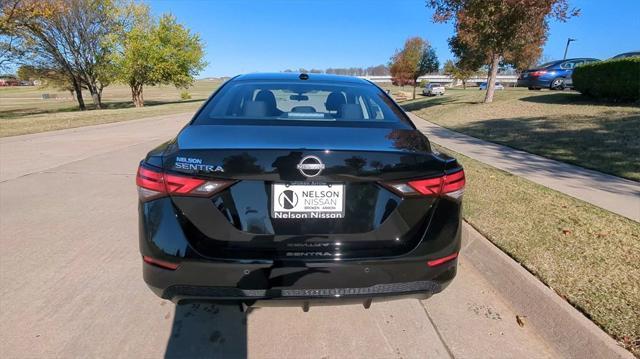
567,47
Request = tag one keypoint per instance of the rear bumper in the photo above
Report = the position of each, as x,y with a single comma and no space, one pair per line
291,284
289,280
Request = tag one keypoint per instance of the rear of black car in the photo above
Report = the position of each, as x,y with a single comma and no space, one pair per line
293,190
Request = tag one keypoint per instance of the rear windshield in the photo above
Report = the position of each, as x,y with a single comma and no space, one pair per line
320,102
548,64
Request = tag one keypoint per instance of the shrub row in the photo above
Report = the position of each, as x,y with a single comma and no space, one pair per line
614,80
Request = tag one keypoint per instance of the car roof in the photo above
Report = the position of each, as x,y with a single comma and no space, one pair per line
295,76
627,54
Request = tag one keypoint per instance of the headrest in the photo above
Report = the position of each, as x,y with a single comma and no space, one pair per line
334,101
254,109
350,111
303,109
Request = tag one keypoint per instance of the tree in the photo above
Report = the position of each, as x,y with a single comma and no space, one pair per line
154,52
458,72
380,70
67,36
429,62
416,59
48,77
10,44
495,32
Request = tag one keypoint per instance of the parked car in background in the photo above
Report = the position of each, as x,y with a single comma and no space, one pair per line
433,89
483,86
627,54
555,75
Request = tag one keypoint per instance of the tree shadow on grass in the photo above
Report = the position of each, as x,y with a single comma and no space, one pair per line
108,105
607,145
572,98
420,103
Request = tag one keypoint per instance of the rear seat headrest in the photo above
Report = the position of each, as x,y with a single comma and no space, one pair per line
350,111
254,109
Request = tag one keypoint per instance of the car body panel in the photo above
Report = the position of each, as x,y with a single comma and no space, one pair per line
544,75
433,89
483,86
231,246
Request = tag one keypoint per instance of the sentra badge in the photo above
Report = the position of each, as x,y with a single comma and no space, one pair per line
196,164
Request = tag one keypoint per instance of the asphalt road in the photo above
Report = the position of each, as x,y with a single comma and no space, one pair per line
71,283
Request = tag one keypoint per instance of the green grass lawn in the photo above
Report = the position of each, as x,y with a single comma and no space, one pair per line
22,109
589,256
559,125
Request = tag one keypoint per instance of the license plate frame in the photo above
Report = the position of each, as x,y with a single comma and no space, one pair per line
308,200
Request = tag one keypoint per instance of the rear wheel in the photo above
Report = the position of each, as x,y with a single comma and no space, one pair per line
557,84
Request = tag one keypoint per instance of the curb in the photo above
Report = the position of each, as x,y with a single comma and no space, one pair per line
564,328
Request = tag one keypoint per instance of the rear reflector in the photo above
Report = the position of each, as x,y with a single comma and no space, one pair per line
451,185
439,261
154,184
160,263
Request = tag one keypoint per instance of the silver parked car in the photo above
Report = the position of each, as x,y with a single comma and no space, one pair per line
433,89
483,86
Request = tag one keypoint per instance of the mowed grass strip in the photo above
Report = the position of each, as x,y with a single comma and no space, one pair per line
589,256
23,111
560,125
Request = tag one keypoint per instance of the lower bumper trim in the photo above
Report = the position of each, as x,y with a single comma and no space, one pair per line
182,291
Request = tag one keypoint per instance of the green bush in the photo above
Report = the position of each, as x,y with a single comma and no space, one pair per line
185,95
614,80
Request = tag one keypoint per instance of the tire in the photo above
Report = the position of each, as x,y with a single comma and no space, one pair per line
557,84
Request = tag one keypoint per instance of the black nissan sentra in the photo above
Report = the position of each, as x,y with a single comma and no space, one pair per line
296,189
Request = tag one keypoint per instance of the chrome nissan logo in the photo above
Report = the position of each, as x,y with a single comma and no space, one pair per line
310,166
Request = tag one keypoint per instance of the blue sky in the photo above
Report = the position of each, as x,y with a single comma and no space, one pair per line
273,35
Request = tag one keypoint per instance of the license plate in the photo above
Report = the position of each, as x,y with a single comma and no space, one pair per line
307,201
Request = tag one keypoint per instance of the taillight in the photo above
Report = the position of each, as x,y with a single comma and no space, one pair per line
439,261
538,73
451,185
160,263
153,183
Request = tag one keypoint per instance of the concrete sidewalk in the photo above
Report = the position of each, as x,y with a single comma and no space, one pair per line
612,193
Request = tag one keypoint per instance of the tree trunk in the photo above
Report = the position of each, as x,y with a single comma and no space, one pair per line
96,100
414,90
491,80
136,95
78,91
95,96
464,84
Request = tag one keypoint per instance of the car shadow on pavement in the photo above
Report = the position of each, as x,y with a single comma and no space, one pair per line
208,330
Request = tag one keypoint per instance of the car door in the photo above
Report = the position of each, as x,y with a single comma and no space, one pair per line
569,74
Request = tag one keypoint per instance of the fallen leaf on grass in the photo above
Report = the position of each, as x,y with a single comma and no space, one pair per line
566,231
520,320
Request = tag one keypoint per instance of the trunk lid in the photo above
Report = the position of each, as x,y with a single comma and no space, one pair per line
240,223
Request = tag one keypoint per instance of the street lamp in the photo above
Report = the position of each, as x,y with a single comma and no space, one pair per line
567,47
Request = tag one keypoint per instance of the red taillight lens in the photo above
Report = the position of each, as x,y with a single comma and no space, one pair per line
160,263
181,185
153,184
538,73
439,261
451,184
